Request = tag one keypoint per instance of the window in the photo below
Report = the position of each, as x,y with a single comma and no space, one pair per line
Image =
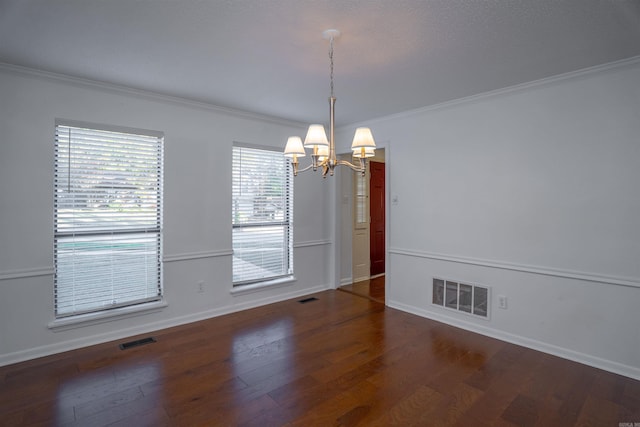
262,215
107,218
361,205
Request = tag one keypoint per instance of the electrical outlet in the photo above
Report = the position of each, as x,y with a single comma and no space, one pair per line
502,302
200,287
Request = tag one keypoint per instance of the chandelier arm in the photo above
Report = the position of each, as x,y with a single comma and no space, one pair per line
362,168
328,167
305,169
322,164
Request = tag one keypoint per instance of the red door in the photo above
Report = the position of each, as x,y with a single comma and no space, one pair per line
377,218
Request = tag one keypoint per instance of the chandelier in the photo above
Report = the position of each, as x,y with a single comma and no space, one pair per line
323,151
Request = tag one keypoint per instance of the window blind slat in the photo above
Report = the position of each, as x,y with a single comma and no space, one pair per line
107,219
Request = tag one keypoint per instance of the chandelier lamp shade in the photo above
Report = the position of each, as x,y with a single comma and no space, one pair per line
323,149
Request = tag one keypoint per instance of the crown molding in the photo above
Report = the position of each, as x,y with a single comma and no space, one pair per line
547,81
145,94
130,91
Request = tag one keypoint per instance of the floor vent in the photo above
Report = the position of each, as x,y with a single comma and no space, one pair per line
472,299
306,300
136,343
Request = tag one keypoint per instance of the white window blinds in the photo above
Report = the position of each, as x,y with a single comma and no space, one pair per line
262,215
107,218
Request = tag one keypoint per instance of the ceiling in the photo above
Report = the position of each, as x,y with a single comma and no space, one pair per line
269,57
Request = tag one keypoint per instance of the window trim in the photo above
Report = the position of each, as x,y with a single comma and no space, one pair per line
131,308
251,285
97,317
258,286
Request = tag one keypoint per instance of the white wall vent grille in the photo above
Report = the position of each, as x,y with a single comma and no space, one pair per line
472,299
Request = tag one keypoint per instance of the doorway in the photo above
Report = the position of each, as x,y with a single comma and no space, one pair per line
368,231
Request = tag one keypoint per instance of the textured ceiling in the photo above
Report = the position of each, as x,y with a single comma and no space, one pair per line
269,57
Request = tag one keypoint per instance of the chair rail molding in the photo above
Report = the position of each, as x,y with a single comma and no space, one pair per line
533,269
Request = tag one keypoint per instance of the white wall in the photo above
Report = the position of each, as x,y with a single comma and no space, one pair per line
197,208
532,191
535,192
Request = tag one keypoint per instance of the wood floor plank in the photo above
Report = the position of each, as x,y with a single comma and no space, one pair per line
453,409
336,407
340,360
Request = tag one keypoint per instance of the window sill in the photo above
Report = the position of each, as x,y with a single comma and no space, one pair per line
256,287
89,319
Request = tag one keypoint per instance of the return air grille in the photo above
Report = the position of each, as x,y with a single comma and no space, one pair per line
470,299
136,343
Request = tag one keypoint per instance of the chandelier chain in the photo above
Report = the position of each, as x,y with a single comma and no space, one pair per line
331,64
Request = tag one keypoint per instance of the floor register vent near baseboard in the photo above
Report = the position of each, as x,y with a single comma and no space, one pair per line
306,300
136,343
470,299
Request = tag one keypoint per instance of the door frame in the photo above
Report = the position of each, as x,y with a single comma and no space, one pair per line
344,243
346,222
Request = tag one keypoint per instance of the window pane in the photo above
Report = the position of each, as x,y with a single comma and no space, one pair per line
129,261
360,203
259,253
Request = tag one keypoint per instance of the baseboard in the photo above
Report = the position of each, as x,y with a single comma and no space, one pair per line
585,359
278,298
346,281
63,346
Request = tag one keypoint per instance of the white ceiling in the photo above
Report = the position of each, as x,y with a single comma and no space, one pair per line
269,57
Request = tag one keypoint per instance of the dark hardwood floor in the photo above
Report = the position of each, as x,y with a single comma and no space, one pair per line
371,288
341,360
